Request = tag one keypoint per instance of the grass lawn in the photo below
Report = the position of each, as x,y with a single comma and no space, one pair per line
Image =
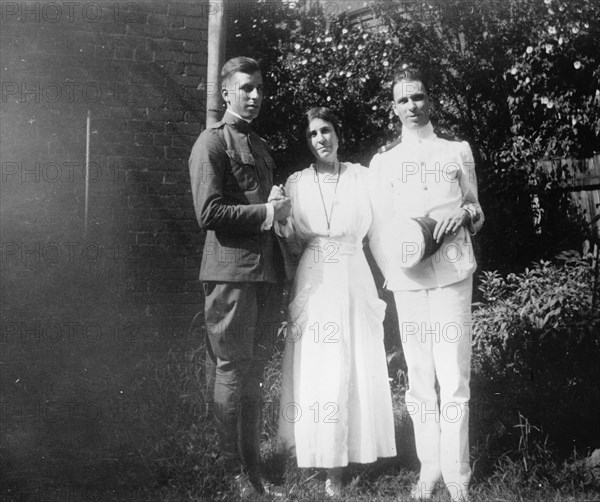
99,405
126,426
189,467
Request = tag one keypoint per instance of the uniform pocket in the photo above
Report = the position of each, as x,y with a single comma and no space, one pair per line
243,168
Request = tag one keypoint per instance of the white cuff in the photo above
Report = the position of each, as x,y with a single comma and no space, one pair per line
472,213
268,223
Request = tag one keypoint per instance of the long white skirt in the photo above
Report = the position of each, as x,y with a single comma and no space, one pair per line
336,403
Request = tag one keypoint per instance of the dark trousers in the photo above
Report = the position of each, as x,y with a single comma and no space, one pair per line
241,324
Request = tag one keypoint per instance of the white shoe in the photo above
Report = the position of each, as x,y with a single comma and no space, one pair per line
333,484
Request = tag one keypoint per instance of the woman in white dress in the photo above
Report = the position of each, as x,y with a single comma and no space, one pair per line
336,403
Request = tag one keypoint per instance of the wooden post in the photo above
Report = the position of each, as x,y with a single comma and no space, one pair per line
217,29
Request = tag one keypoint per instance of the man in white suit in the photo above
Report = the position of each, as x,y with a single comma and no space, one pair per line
423,176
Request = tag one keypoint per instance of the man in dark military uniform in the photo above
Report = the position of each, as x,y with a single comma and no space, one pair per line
231,173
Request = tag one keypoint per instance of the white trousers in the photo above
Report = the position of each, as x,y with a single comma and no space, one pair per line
435,329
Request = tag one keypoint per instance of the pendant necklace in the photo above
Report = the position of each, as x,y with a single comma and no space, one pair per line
330,215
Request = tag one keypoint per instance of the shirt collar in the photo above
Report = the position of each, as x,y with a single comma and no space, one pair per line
237,115
412,136
236,121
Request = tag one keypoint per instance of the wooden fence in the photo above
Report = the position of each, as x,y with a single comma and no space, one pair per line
581,177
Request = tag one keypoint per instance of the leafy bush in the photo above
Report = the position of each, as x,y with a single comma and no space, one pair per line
536,351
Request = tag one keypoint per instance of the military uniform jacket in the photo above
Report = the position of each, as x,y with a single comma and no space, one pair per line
231,172
423,175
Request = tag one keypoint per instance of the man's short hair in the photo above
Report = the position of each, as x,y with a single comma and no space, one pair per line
408,73
239,64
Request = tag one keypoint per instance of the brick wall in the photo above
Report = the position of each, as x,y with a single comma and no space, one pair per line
136,66
82,313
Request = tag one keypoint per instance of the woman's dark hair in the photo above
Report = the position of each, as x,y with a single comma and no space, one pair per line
324,113
410,73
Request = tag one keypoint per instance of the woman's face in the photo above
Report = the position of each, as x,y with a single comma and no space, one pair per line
323,140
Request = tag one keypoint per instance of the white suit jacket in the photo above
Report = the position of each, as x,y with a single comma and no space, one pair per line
423,175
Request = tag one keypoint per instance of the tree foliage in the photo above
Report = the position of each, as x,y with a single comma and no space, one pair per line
518,79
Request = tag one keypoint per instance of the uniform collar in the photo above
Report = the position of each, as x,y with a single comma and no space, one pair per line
236,121
412,136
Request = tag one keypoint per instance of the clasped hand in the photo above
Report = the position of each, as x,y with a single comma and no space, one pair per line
450,224
281,203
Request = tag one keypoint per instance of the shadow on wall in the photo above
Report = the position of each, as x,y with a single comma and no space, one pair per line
82,311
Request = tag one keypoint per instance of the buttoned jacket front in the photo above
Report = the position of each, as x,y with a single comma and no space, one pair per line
231,173
423,175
